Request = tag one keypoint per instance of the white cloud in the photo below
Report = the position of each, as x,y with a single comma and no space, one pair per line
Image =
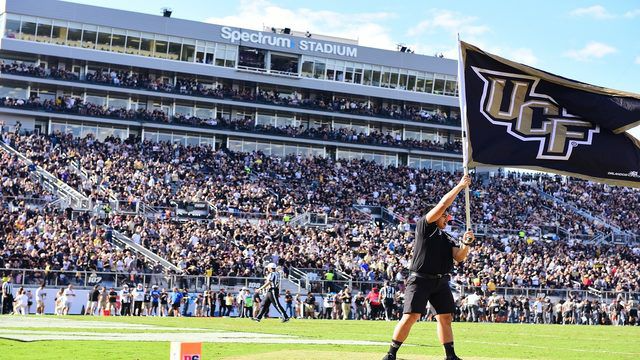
638,60
595,11
449,22
367,28
593,50
632,13
522,55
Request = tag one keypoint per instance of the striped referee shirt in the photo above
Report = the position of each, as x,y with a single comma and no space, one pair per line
275,278
7,288
388,292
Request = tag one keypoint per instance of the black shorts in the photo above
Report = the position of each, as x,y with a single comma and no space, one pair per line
419,291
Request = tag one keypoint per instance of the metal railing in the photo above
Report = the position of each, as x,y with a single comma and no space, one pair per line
126,243
562,293
88,279
50,183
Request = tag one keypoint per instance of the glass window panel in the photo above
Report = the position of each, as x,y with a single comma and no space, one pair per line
118,41
104,133
438,86
264,147
235,145
188,52
178,139
104,39
318,70
174,51
450,87
59,33
43,33
161,49
58,128
393,78
290,149
133,44
307,68
436,164
120,133
146,45
74,35
404,79
182,110
73,129
89,36
151,136
192,140
277,149
264,119
96,100
13,92
204,113
249,146
118,103
285,121
428,83
163,137
12,27
28,30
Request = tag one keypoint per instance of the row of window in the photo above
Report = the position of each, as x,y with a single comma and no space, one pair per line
257,118
380,76
435,164
274,148
101,132
190,50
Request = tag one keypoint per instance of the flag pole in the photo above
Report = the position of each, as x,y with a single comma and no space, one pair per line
463,117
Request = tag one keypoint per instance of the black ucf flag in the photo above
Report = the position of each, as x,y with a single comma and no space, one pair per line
519,116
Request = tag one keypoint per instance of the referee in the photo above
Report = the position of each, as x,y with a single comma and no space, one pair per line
274,279
387,298
432,261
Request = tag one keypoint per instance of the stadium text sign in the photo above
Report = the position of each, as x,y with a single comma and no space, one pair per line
256,37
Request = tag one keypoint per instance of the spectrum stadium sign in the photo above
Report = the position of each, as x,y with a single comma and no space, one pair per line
256,37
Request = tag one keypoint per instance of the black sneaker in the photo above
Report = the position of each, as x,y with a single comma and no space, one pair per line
286,320
389,357
255,319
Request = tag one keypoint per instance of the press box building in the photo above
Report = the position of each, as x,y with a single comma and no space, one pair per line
85,39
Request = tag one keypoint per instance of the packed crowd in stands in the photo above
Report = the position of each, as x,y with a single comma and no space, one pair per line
77,106
193,87
159,173
617,205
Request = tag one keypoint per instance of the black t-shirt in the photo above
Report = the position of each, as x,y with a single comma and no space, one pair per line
432,252
113,296
359,301
95,295
163,297
288,298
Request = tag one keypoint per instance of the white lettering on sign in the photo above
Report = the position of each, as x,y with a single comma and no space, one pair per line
253,37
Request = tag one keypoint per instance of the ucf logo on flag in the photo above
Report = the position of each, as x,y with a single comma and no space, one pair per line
519,116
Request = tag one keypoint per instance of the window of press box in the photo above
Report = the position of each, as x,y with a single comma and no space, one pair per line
252,57
285,63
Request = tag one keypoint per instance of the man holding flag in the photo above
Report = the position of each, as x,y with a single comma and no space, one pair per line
432,261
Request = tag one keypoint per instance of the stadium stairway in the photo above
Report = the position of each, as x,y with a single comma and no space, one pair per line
69,196
125,242
587,215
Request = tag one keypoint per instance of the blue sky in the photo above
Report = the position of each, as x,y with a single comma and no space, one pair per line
594,42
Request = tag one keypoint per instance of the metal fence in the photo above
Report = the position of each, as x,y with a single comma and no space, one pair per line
87,279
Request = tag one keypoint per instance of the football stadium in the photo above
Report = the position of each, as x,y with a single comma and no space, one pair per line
188,190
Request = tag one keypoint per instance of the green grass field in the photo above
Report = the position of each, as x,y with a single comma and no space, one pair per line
473,341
